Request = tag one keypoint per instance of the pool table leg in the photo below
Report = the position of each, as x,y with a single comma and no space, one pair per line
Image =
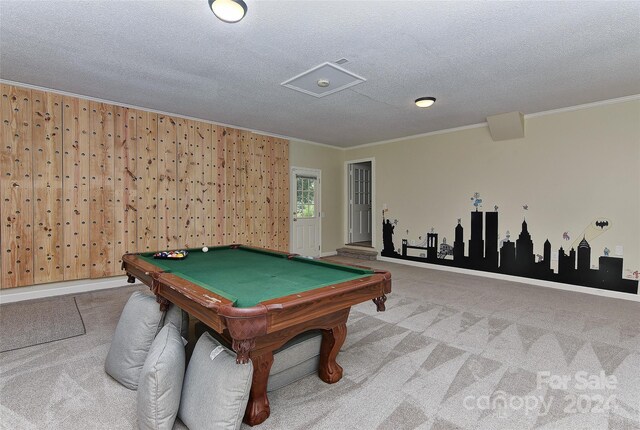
330,371
258,408
379,301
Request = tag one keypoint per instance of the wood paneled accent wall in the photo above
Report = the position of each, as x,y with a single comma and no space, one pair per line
84,182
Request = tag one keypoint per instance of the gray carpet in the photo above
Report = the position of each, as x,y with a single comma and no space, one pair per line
452,352
36,322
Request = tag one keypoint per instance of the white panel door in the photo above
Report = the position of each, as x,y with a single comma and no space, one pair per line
305,222
360,201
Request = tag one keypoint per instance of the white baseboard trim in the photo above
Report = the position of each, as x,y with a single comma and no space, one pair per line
60,288
530,281
328,254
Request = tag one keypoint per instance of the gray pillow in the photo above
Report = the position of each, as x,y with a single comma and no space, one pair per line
161,379
178,318
293,373
216,389
296,359
140,321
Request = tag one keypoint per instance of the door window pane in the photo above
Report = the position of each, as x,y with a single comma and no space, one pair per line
305,197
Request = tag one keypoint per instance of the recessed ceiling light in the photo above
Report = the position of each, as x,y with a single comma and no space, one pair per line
323,83
228,10
425,102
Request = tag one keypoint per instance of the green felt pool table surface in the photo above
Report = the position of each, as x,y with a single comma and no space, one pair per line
248,276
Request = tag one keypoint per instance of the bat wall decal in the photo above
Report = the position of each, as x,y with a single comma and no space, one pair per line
602,224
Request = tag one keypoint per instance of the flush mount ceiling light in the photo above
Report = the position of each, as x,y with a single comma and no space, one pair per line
228,10
425,102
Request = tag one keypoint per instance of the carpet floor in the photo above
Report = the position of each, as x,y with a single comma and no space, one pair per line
452,351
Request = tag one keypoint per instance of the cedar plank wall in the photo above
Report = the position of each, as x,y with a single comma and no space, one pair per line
84,182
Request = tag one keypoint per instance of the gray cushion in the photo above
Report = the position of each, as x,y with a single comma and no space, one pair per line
216,389
178,318
140,321
293,373
296,359
161,379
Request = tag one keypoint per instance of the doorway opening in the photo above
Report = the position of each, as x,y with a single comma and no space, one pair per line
360,202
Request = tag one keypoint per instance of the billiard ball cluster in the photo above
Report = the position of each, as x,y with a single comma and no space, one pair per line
175,255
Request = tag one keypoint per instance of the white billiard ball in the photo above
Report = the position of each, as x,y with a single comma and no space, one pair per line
205,249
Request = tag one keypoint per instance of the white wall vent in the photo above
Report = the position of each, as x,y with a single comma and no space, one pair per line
322,80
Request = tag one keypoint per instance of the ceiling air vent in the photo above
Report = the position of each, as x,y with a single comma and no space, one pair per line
322,80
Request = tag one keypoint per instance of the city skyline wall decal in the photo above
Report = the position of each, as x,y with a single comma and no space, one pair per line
511,258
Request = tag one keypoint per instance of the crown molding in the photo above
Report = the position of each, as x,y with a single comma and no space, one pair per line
364,145
584,106
417,136
483,124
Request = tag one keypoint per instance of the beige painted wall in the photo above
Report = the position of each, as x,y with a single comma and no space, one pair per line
330,161
571,168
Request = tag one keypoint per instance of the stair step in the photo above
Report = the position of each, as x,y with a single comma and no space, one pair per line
362,254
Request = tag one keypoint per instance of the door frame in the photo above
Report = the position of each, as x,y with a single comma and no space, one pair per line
292,201
374,225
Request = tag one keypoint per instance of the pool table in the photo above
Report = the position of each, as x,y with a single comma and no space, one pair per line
258,299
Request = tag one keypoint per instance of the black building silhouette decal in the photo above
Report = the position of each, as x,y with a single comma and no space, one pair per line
515,258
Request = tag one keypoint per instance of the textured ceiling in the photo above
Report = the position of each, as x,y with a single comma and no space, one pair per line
477,58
